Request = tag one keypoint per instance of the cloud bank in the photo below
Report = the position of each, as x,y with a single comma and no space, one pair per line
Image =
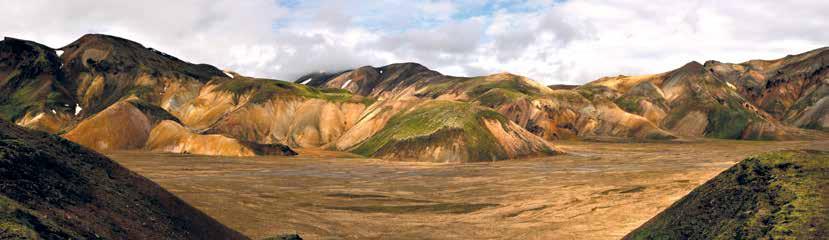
549,41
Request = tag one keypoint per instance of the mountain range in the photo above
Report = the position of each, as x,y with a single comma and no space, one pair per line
112,94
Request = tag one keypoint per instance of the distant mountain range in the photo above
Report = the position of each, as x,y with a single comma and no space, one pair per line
109,94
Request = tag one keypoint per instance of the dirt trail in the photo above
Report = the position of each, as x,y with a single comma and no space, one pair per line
598,191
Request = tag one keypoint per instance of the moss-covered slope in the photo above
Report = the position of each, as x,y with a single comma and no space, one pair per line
451,131
780,195
32,86
51,188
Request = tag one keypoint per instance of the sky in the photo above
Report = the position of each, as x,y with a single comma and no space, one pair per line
553,42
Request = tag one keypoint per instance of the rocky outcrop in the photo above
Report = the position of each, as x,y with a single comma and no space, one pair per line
56,189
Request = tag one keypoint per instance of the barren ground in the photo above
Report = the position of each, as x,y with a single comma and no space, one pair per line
598,191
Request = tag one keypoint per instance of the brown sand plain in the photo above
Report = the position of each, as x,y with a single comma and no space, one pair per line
597,191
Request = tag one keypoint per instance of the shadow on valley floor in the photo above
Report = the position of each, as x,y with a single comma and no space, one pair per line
599,191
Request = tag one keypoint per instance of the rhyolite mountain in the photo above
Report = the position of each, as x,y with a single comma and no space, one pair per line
758,99
792,89
125,96
689,101
111,94
779,195
51,188
547,113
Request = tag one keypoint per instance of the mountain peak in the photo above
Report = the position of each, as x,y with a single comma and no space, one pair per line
103,39
693,65
412,66
24,41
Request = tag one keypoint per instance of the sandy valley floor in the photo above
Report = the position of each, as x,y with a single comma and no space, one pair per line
598,191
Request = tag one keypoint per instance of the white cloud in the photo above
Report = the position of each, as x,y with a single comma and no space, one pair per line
550,41
438,9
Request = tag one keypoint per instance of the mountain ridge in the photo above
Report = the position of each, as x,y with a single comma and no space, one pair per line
347,110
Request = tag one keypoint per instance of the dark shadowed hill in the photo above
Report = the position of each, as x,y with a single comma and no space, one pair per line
779,195
32,88
51,188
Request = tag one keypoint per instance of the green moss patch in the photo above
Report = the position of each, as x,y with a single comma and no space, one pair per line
498,96
435,121
18,222
629,104
484,90
726,119
591,91
30,81
262,90
514,84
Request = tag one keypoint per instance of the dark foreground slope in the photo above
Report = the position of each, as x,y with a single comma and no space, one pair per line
51,188
779,195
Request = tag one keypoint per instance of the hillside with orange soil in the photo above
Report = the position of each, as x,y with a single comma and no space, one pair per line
170,136
125,125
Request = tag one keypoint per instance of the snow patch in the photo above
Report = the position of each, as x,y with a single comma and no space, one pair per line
53,111
78,109
307,81
38,117
228,74
59,52
381,71
346,83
